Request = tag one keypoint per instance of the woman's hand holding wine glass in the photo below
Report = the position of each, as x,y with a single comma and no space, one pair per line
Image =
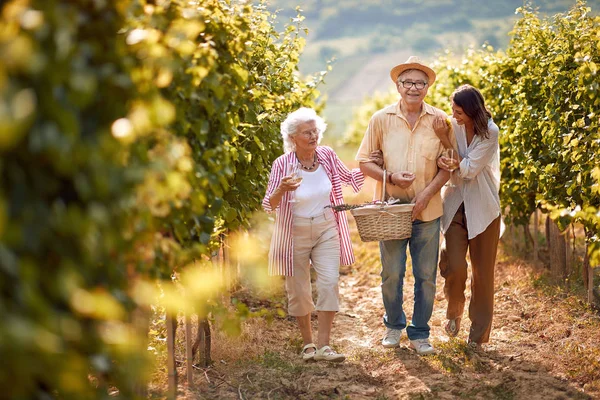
292,180
448,162
294,173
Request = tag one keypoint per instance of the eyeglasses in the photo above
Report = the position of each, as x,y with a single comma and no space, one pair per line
418,84
311,133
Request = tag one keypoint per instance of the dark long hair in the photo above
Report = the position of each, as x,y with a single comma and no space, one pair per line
471,101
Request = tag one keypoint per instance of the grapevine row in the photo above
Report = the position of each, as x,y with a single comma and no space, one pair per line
132,133
543,91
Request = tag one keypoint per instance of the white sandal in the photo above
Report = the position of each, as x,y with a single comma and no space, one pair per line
309,356
326,353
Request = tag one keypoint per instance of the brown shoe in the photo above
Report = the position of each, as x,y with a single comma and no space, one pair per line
453,327
475,346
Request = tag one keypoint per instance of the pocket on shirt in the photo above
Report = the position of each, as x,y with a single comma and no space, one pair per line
429,154
431,148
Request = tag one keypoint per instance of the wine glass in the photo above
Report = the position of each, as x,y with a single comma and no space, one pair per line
449,153
293,172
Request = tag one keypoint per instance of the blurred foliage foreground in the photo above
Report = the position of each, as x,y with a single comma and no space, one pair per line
132,133
544,94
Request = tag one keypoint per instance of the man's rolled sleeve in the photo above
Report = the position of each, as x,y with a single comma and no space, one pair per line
368,144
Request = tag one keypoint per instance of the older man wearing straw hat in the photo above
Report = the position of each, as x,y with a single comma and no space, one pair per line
403,135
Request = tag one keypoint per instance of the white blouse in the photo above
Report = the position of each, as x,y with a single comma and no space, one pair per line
477,181
313,193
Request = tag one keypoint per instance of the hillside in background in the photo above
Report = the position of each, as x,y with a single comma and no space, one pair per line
368,37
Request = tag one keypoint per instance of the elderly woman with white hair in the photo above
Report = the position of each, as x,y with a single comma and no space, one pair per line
307,231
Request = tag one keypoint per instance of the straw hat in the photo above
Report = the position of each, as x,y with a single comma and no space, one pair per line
413,62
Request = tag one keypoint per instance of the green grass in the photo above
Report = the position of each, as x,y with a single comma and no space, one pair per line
273,360
377,355
451,357
455,357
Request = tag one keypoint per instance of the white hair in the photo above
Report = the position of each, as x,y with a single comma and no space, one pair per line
293,120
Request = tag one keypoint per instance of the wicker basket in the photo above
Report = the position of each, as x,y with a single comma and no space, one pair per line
382,221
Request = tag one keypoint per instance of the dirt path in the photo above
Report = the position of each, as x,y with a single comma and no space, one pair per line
543,346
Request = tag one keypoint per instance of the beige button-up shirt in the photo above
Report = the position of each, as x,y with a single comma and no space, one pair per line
405,149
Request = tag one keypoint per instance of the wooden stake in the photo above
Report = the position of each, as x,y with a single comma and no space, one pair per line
536,245
226,270
568,253
171,370
204,342
141,326
558,249
590,289
188,351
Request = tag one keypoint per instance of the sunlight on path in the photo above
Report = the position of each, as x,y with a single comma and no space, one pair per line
509,367
542,347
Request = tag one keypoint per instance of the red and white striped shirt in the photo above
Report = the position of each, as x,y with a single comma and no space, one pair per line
282,243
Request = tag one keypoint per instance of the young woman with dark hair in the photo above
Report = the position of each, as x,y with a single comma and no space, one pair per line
471,220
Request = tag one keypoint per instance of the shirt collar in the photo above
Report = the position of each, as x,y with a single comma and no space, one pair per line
395,109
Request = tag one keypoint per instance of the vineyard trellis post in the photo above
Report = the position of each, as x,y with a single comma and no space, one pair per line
536,244
590,287
141,326
188,351
171,367
569,259
557,249
203,343
225,267
588,270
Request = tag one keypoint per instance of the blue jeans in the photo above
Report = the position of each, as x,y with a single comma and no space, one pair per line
424,246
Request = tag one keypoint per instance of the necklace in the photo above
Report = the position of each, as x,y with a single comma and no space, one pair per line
314,164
